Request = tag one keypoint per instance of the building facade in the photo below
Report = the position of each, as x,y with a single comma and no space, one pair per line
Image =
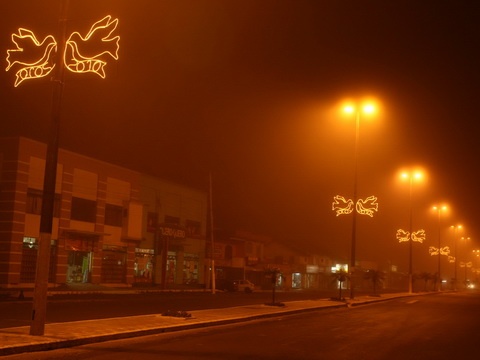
109,222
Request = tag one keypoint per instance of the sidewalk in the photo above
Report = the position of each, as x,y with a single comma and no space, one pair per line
60,335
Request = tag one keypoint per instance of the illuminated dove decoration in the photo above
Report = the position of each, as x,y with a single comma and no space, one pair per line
364,207
35,58
419,236
367,206
86,53
436,251
451,259
403,235
82,53
342,206
463,264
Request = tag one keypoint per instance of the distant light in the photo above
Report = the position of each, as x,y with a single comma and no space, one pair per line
349,109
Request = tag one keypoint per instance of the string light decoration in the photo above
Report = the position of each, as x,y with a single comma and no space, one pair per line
439,251
35,58
344,206
417,236
83,54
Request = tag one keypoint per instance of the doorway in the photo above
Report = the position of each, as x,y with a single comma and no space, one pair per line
79,267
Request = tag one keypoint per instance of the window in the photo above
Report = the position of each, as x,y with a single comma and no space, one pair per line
193,229
113,215
172,220
83,209
228,252
152,222
34,203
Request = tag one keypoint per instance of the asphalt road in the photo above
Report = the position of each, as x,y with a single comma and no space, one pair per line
441,326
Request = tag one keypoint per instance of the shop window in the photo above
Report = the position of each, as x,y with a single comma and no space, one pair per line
190,269
29,260
193,229
171,267
143,266
296,281
34,203
83,209
113,215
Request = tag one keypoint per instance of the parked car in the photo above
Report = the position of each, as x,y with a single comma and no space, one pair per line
243,285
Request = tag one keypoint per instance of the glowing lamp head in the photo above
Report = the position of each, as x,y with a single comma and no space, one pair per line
417,175
349,109
412,175
440,208
368,108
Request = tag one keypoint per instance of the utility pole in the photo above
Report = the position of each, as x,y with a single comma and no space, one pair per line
212,242
39,308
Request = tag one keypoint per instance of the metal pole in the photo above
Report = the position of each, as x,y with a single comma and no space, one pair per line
439,253
410,264
455,263
212,243
39,307
354,218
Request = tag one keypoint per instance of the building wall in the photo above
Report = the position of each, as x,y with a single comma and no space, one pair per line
166,202
101,220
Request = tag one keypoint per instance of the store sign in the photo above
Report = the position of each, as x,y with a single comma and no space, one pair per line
173,231
144,251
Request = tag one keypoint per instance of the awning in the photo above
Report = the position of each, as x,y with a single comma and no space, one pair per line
75,233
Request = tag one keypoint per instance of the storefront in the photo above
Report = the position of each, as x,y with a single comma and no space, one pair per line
79,260
143,266
114,264
190,269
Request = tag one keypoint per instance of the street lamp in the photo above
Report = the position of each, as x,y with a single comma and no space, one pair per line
357,110
466,264
455,229
411,177
57,55
441,251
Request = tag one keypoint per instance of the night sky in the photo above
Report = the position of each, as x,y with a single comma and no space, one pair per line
246,90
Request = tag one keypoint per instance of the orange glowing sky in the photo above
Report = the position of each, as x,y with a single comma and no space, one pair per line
245,89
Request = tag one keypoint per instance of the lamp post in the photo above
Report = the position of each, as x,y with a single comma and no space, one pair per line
439,210
357,111
466,264
56,61
411,176
455,229
39,303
